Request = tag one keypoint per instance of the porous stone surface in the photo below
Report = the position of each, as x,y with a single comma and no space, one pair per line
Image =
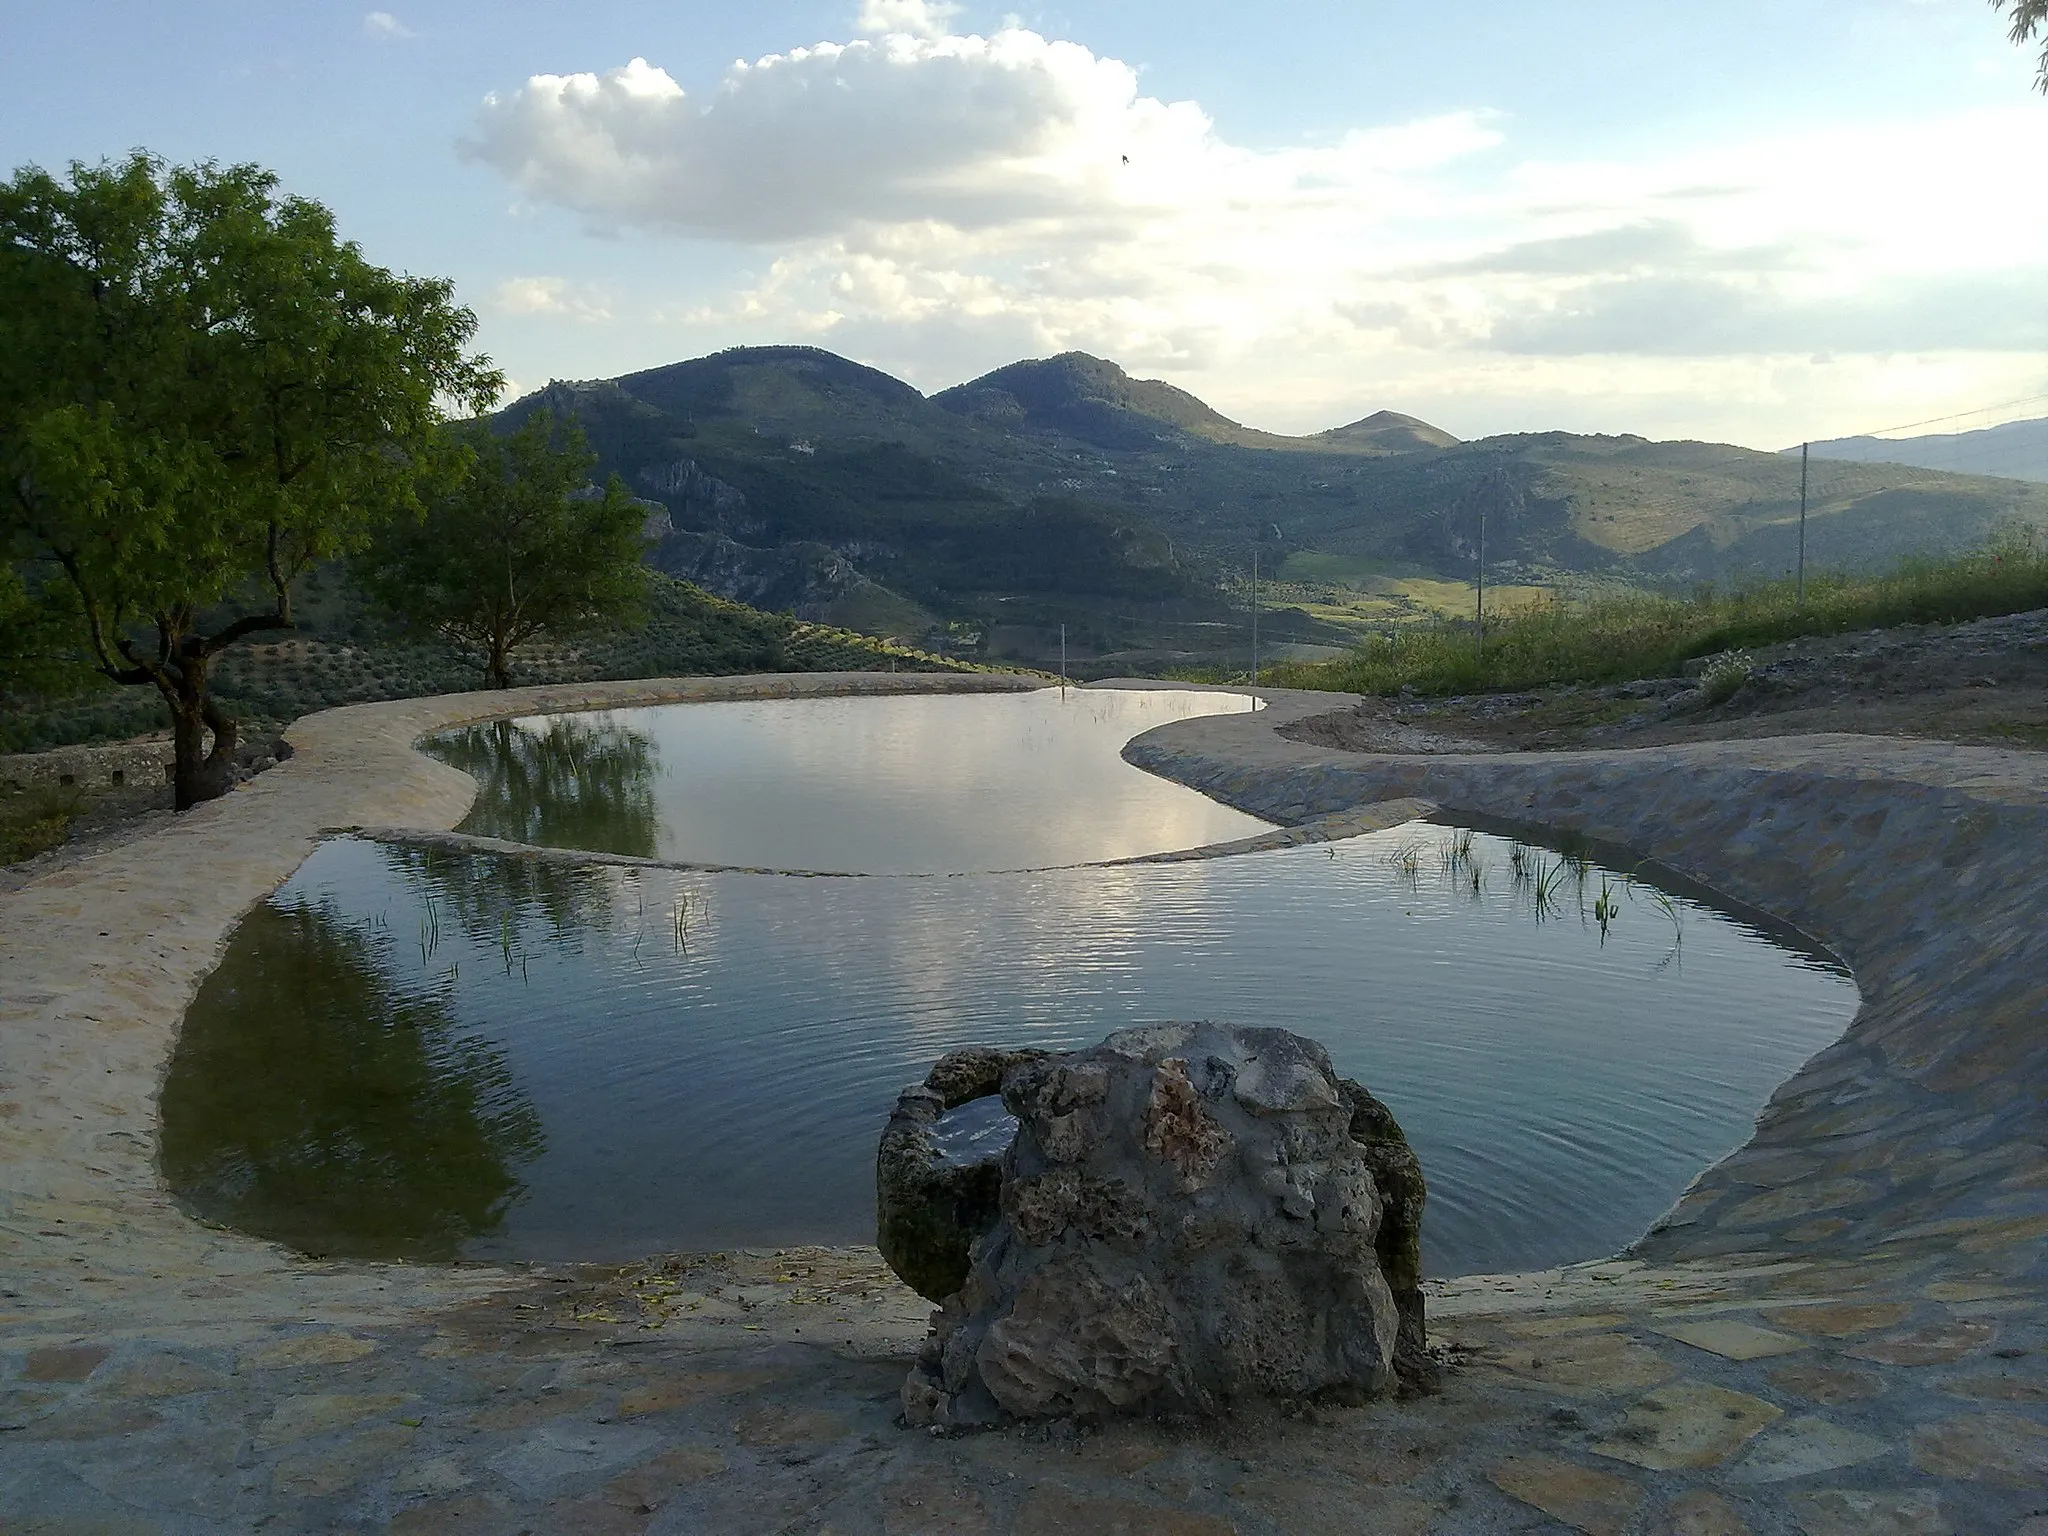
1186,1223
147,1362
931,1203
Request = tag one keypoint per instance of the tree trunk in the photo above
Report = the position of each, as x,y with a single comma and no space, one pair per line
198,775
500,665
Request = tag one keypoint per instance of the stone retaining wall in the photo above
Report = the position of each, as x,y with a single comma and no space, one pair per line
124,764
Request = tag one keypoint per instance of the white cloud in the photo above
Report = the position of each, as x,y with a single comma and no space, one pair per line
910,18
385,27
939,204
965,133
546,296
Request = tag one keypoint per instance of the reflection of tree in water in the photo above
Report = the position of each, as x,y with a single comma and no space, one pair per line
313,1102
491,895
576,784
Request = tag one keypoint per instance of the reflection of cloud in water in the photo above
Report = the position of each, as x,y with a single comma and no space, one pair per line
1067,933
1561,1087
918,783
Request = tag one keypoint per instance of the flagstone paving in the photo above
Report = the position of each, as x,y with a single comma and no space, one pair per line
1838,1331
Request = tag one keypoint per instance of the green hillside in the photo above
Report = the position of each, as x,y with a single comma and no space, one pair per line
1062,490
840,504
342,654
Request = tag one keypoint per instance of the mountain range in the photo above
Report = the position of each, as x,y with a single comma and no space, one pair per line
1062,491
2017,449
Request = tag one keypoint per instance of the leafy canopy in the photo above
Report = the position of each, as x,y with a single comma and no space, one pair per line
523,546
203,392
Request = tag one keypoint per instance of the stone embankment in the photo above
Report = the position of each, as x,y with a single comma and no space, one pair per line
123,765
120,765
1839,1331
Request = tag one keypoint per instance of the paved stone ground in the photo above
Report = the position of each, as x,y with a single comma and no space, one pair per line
1839,1331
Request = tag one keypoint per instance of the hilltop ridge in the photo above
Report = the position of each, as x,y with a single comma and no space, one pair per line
1093,399
1063,491
2015,449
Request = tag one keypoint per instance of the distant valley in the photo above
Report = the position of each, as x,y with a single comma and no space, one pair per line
1064,492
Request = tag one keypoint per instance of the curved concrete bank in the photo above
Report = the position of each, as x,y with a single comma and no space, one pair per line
1838,1331
1922,865
101,959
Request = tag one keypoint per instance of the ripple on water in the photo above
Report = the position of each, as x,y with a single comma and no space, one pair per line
727,1085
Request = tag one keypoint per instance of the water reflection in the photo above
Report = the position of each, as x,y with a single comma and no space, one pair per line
924,784
500,901
713,1054
564,781
315,1101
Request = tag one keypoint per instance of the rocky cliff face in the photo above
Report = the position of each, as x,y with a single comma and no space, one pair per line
808,580
694,499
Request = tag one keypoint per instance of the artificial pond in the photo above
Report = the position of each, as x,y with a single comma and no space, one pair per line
913,784
425,1051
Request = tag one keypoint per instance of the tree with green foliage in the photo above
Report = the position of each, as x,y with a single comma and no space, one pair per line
2029,19
204,391
522,546
32,639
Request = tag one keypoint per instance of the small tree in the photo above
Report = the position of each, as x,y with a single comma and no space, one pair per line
203,391
523,546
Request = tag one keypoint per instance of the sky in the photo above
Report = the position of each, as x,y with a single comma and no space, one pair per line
1738,220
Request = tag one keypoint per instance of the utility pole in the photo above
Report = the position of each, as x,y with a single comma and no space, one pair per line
1255,613
1802,522
1479,612
1063,661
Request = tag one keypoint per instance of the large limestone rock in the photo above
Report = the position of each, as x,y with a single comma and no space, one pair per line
1188,1215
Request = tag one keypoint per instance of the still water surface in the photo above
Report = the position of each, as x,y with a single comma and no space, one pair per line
425,1052
925,784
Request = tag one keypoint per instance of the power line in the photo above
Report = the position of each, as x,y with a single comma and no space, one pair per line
1982,410
1803,447
1966,452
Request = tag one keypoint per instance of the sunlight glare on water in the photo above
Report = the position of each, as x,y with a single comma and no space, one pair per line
922,784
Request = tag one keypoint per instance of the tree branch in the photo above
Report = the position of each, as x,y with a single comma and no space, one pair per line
218,721
2029,17
96,629
270,559
248,625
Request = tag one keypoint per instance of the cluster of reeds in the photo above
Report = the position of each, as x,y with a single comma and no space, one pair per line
1552,885
679,917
